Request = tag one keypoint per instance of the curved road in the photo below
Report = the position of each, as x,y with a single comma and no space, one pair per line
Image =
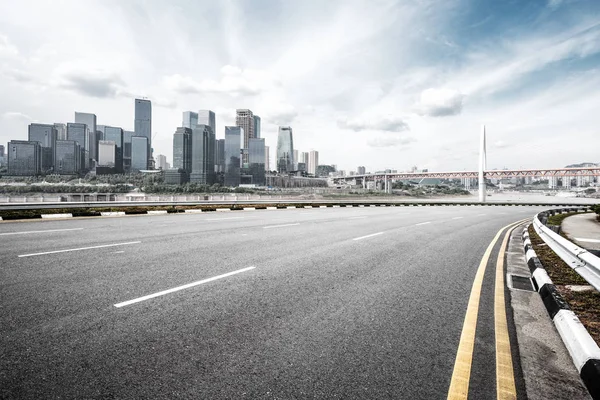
320,303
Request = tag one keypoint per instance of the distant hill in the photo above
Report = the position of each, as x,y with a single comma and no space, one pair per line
582,165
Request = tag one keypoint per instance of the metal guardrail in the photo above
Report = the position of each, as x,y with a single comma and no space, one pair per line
582,261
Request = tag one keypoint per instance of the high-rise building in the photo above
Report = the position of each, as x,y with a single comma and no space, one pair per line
233,141
267,160
107,153
161,161
313,162
361,170
296,158
245,120
139,153
220,156
256,160
90,121
190,119
285,150
203,155
45,134
127,135
115,134
143,125
2,162
257,127
24,158
78,133
182,149
207,117
67,156
61,131
304,157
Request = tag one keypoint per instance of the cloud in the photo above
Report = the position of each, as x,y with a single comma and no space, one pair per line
554,4
501,144
439,102
279,113
15,115
233,81
91,82
391,141
388,124
7,49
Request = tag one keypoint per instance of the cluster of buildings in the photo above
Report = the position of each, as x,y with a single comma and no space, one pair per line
80,146
240,158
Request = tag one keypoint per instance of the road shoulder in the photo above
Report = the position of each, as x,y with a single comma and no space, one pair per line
548,370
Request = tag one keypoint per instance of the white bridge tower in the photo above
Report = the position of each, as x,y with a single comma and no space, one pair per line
482,166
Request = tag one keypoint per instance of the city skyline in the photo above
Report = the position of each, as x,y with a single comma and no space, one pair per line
410,87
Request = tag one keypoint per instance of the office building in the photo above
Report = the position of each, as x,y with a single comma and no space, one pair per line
2,158
45,134
115,134
78,133
90,121
233,142
361,170
24,158
257,127
267,159
207,117
161,162
285,150
220,156
182,149
203,155
67,157
174,176
143,125
313,162
245,120
139,153
190,119
296,159
107,153
61,131
127,135
256,160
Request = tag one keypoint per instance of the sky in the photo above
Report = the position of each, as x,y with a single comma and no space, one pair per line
384,84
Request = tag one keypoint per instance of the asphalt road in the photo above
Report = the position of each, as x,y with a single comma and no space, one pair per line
325,303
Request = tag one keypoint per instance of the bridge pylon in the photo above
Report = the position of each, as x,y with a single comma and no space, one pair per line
482,166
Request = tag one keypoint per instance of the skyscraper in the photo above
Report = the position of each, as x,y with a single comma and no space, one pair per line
90,121
190,119
24,158
115,134
233,140
61,131
143,124
207,117
285,150
161,161
220,156
245,120
127,135
313,162
139,153
296,159
45,134
182,149
67,157
267,161
107,151
361,170
78,133
203,155
256,160
257,126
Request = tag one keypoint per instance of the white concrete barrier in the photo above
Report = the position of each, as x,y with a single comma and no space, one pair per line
52,216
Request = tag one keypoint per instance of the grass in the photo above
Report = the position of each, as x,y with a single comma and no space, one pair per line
587,307
559,218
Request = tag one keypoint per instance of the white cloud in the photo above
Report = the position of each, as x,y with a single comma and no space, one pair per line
391,141
279,113
15,115
89,80
440,102
388,124
7,49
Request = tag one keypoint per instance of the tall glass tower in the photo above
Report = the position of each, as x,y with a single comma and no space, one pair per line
143,124
285,150
233,140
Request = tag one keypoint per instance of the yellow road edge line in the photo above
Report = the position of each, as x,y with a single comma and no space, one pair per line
461,375
505,378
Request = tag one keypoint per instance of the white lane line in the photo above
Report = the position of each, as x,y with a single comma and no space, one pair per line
279,226
587,240
119,252
368,236
49,230
223,219
178,288
78,249
457,218
423,223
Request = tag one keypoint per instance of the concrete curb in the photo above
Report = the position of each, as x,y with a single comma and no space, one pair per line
52,216
112,213
582,348
157,212
197,211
